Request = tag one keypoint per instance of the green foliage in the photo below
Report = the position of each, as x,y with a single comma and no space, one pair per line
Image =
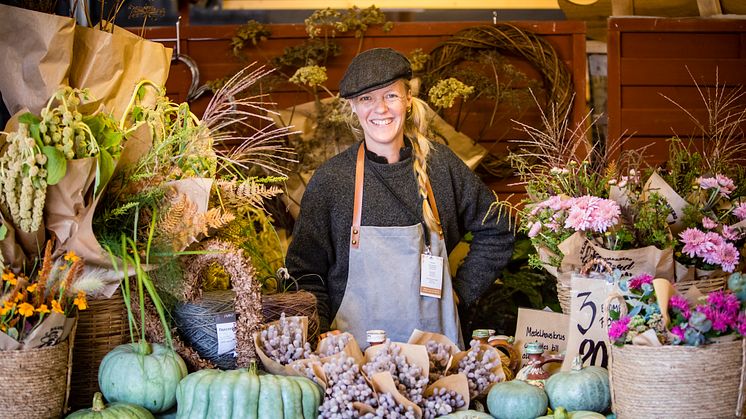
683,167
310,52
253,32
328,22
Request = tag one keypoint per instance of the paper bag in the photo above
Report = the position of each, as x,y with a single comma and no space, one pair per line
270,364
414,354
36,50
383,382
499,370
13,255
351,349
675,202
456,382
112,64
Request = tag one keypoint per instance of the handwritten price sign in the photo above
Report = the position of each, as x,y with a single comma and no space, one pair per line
588,322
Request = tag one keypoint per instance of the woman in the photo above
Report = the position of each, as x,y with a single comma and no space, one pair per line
377,221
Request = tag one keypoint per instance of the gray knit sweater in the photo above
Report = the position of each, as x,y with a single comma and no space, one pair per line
319,251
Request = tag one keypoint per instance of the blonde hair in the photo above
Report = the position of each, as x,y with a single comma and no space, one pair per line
415,127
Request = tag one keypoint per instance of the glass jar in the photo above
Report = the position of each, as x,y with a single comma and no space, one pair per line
375,337
481,335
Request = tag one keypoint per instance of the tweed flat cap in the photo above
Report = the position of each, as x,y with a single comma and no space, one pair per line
373,69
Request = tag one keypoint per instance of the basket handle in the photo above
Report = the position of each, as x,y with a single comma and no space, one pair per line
596,261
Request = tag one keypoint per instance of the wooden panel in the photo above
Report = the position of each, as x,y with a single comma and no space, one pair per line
676,72
646,97
681,45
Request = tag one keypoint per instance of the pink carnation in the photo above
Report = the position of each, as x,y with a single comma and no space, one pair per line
679,303
740,211
709,223
619,328
637,282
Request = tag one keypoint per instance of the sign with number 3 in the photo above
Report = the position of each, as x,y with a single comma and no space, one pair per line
588,322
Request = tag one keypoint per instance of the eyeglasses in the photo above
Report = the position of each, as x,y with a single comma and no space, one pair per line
368,101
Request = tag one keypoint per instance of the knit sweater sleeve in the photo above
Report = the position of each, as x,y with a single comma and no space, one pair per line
311,251
492,244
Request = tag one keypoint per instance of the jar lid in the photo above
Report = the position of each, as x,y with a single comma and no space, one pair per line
534,348
375,335
480,333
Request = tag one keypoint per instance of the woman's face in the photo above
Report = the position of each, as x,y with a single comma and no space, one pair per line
382,114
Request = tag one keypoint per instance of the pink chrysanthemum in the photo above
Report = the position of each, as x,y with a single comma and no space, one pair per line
728,257
637,282
721,309
711,254
678,331
591,213
709,223
730,233
607,215
695,242
679,303
619,328
741,324
723,184
740,211
535,229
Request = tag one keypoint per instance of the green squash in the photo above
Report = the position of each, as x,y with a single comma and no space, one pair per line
142,374
580,388
467,414
561,413
245,394
516,400
112,411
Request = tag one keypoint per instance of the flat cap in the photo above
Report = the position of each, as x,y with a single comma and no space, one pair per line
374,69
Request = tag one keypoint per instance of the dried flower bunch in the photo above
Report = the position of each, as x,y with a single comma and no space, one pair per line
59,286
693,323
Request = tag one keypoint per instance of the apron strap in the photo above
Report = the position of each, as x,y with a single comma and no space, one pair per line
357,207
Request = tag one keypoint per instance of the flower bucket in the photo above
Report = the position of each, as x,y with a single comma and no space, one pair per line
679,381
34,382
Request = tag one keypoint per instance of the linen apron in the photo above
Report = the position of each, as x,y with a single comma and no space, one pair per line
383,280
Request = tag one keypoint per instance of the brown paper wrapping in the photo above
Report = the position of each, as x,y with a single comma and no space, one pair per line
36,50
419,337
578,250
383,382
270,364
498,370
55,328
676,203
13,255
111,65
414,354
352,349
663,292
456,382
67,201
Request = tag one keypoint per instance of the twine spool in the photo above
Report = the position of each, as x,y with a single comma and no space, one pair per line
693,382
33,382
196,322
101,328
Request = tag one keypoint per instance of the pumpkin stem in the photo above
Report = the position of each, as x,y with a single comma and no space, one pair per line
98,402
577,363
143,348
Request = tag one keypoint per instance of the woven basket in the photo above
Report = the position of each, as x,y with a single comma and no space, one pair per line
678,381
705,285
564,281
33,382
101,328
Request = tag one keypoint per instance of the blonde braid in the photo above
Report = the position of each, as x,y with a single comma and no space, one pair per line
415,128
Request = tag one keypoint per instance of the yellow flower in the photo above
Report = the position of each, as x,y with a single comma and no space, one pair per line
70,256
80,301
3,327
26,310
8,306
43,309
32,287
10,277
18,297
56,307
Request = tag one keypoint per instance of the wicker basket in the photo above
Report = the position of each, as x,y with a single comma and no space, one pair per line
678,381
33,382
705,285
101,328
564,280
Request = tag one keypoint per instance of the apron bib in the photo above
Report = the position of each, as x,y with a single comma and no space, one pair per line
383,280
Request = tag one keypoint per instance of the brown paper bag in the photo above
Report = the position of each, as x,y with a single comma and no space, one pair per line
67,201
53,330
676,203
414,354
383,382
456,382
270,364
352,349
111,65
578,250
36,50
13,255
498,370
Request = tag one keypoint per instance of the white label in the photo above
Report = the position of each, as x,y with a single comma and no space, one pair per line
226,327
547,327
431,276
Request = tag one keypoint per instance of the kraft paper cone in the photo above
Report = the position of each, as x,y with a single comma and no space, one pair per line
663,292
676,203
270,364
419,337
352,349
54,329
414,354
112,64
383,382
68,200
36,50
456,382
498,369
13,255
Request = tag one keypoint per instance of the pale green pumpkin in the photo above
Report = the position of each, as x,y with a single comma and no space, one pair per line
516,400
467,414
143,374
245,394
111,411
562,413
580,388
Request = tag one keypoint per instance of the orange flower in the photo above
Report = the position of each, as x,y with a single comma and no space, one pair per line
26,310
43,309
10,277
8,306
80,301
56,307
71,257
32,287
19,297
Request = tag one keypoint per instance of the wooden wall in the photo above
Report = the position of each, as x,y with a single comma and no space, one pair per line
652,57
210,47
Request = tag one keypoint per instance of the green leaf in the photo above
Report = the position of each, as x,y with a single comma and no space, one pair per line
3,231
56,164
28,118
110,140
95,124
35,133
104,170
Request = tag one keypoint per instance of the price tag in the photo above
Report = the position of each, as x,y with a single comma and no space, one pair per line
588,322
431,276
226,327
547,327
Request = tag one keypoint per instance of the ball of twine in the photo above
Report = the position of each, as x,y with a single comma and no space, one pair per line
196,321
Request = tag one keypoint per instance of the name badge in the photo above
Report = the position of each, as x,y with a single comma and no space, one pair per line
431,276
